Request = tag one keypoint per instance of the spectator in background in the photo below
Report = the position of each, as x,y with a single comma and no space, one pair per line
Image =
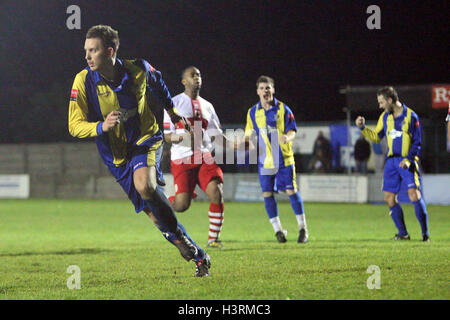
362,154
324,145
319,163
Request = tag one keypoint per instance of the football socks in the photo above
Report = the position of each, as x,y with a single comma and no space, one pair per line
215,215
422,215
397,217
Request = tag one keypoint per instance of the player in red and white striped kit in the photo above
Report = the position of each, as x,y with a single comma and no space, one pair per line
191,159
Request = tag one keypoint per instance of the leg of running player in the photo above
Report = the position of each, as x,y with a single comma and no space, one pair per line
214,191
145,183
144,180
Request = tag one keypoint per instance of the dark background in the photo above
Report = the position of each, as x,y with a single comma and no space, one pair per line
311,48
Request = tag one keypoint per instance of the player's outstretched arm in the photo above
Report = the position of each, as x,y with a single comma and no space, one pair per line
179,121
373,135
173,137
158,88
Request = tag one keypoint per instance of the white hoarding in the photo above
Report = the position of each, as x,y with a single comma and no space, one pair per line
334,188
15,186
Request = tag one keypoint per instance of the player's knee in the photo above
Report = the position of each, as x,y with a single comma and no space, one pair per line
144,189
390,199
291,192
414,195
214,190
217,195
181,206
182,202
267,194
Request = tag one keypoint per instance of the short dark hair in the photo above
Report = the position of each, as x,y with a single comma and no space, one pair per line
183,73
109,36
265,79
388,92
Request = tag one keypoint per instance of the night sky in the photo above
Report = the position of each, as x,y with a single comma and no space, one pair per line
311,48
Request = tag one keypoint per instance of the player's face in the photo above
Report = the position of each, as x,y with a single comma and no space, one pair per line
265,92
192,79
96,54
384,104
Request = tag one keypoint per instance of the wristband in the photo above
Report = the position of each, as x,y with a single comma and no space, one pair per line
100,128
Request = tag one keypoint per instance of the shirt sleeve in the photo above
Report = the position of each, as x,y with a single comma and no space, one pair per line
168,125
157,87
249,125
416,138
79,126
289,120
377,134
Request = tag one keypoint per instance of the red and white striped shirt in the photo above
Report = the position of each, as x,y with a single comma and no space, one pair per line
198,111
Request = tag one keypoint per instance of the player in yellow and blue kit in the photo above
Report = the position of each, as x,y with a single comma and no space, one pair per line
110,102
273,125
401,127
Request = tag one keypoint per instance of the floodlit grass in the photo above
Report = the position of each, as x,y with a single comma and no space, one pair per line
121,255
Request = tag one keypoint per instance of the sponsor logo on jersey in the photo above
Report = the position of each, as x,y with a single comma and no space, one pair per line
393,134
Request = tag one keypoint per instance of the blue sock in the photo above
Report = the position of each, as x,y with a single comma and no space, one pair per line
422,215
296,203
397,216
271,206
162,210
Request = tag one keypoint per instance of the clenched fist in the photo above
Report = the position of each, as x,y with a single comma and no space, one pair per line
360,122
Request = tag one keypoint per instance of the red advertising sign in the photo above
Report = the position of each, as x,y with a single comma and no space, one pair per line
440,95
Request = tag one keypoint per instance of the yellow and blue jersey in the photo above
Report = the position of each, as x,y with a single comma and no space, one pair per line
92,99
403,134
269,126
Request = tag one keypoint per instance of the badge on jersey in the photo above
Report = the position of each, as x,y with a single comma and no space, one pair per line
73,95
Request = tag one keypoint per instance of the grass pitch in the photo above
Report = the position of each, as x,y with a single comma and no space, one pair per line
121,255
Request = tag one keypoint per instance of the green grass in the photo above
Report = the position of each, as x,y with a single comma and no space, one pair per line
123,256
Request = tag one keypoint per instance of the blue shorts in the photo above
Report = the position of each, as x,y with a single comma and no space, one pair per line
394,176
139,157
283,179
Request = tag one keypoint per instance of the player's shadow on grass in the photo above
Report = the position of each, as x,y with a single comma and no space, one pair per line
61,253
